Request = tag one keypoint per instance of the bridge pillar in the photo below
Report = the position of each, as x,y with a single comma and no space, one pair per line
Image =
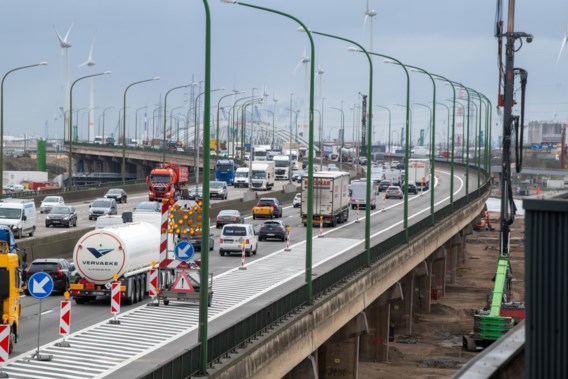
374,346
339,356
141,171
439,263
107,165
465,232
453,246
401,310
307,369
422,286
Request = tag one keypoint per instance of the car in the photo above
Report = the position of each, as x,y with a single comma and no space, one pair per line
148,206
195,193
118,194
393,164
218,190
63,215
273,229
195,240
412,188
229,216
60,270
102,206
234,236
10,188
297,175
332,167
394,191
384,184
267,202
297,202
49,202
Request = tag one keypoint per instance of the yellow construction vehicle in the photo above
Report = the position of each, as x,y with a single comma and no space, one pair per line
11,283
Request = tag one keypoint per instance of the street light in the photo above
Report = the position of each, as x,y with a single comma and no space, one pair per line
342,134
165,112
272,113
235,92
196,134
136,123
448,130
2,117
104,112
70,173
124,125
382,107
309,228
429,115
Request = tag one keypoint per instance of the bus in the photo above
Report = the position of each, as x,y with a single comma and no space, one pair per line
225,171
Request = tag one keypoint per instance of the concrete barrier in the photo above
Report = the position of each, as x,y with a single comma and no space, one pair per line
59,245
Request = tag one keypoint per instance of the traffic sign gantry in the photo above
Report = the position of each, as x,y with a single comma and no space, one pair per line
40,285
184,251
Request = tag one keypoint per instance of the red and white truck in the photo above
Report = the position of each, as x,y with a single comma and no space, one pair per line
167,179
330,198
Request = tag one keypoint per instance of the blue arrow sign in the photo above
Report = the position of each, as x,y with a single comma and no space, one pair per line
184,251
40,285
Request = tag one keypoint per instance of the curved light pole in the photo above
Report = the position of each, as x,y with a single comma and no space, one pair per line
448,129
196,134
309,228
136,123
70,173
272,113
429,113
235,92
171,124
296,113
2,117
407,149
243,134
104,112
234,119
123,170
466,140
165,114
388,110
342,133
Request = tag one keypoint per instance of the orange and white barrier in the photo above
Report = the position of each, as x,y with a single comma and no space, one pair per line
64,322
153,290
321,227
115,301
4,343
357,214
243,267
287,248
384,200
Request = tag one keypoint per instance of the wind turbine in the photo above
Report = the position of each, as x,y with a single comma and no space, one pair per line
562,45
65,45
90,63
304,60
370,14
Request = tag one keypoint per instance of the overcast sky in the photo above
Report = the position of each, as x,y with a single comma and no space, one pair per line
141,39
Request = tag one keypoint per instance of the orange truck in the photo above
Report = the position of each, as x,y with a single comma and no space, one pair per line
167,179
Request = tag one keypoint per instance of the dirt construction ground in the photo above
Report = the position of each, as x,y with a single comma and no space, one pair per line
438,351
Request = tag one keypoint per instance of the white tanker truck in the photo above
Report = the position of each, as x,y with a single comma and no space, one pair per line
124,250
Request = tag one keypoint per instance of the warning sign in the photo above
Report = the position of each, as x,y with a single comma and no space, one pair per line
182,284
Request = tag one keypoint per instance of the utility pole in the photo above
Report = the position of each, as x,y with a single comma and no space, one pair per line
510,122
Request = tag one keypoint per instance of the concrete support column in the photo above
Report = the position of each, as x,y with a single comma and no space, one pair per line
339,356
140,171
422,280
439,272
401,311
374,346
307,369
107,165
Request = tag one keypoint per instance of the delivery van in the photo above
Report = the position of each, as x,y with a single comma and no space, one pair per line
19,215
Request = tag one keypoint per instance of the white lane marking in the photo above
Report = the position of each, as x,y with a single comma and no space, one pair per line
46,312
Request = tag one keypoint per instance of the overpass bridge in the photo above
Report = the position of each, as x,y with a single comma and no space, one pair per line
260,323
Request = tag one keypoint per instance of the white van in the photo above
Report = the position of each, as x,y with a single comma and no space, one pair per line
233,236
19,215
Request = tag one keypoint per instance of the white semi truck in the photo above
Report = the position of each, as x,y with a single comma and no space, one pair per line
330,198
262,175
282,167
126,251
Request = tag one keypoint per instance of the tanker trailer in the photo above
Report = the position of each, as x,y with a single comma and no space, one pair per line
125,251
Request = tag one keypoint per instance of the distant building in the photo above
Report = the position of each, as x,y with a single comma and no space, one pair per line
545,132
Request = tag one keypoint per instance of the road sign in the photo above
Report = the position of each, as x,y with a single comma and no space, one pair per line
182,283
40,285
184,251
4,342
